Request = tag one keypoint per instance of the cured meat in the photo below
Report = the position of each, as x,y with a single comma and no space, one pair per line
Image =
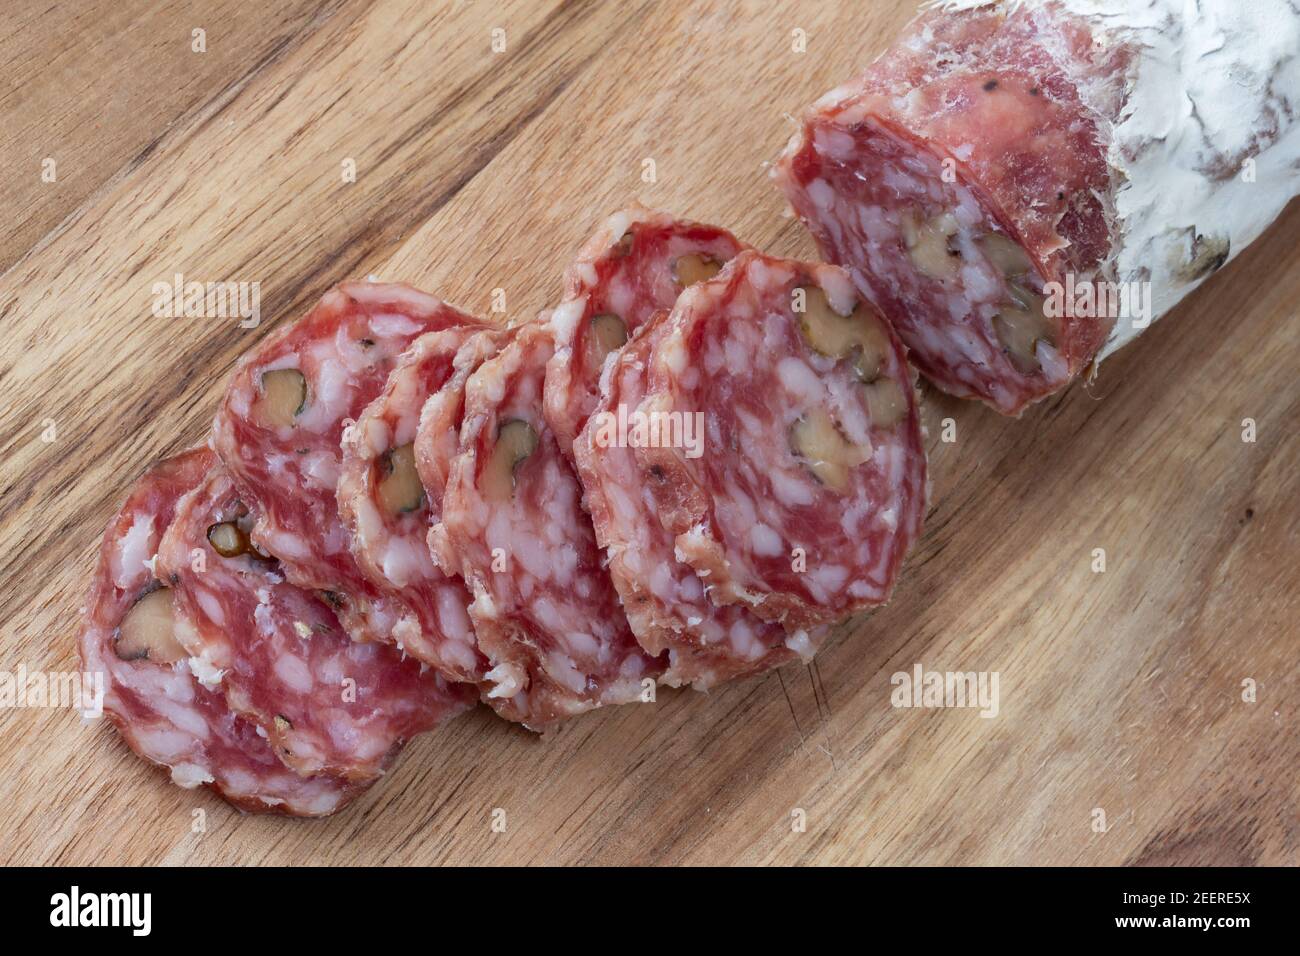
544,609
806,485
626,276
637,262
779,441
326,703
164,714
1022,187
665,600
389,511
954,179
438,436
279,429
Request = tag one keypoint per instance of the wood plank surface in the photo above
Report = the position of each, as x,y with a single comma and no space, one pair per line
1121,692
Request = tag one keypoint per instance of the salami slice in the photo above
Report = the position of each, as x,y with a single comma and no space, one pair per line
326,703
665,600
545,611
167,716
278,431
389,511
437,437
780,440
637,262
1023,187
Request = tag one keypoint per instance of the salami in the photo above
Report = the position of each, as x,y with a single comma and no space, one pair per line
665,600
545,611
438,435
1023,187
326,703
636,263
389,511
279,429
167,716
780,442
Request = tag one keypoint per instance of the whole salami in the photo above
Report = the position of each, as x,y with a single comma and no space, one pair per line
389,510
780,441
326,703
545,611
278,432
167,716
639,261
1024,186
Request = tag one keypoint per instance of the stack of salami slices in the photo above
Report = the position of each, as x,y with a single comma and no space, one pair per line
683,473
702,456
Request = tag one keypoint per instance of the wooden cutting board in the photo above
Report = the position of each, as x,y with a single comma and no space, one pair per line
1126,730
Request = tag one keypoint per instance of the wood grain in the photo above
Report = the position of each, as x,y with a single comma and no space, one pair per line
1120,691
68,99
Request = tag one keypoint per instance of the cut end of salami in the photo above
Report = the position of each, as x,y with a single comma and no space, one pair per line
959,179
163,712
1024,187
